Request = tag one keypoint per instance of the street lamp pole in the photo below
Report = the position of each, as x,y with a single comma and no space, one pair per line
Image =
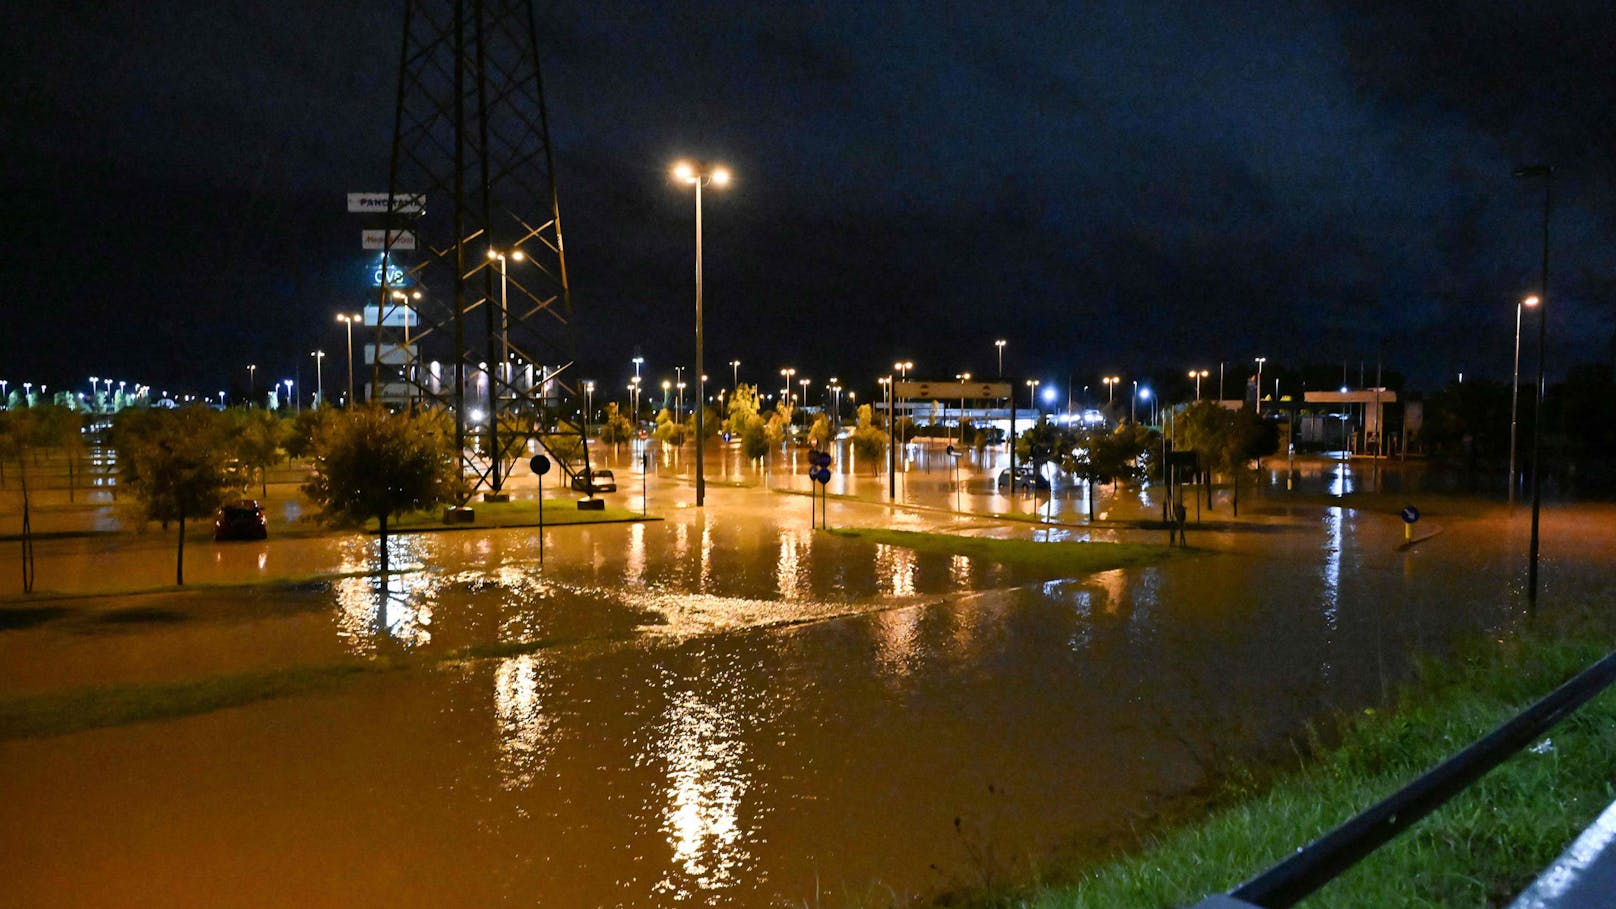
1260,362
697,175
734,375
349,320
1133,403
1547,173
319,377
252,385
1000,344
1515,394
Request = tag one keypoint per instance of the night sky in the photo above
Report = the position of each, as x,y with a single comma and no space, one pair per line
1115,188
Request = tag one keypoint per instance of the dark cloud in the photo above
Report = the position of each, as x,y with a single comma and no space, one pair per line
1114,187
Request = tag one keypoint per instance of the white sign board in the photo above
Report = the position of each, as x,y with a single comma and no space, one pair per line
396,315
376,203
944,391
377,239
392,354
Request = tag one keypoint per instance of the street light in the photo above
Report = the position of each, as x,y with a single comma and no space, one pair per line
699,174
1547,173
1032,394
679,405
589,401
962,378
252,384
349,319
804,384
1260,362
1110,390
785,378
319,377
1000,344
1515,394
289,398
1198,376
734,374
503,374
1133,402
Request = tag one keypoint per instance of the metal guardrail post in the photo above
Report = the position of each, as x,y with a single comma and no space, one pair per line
1316,864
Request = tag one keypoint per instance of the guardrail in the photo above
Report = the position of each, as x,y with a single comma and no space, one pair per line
1321,861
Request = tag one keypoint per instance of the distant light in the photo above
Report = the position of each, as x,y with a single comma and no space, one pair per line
1344,388
1049,394
684,171
721,176
1531,301
476,415
1144,393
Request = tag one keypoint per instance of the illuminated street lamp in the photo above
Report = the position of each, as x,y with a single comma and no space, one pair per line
734,373
1515,394
962,378
1133,402
589,401
699,174
319,377
1111,389
1260,362
298,405
1000,345
1547,173
252,382
1032,394
804,384
1198,376
349,319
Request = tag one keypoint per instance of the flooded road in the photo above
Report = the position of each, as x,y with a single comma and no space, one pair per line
724,708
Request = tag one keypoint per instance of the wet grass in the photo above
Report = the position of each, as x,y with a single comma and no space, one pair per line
78,710
515,513
1065,559
1480,849
60,713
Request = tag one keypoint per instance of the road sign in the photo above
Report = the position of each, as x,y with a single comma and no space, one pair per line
539,465
822,475
376,203
1410,514
952,391
819,458
377,239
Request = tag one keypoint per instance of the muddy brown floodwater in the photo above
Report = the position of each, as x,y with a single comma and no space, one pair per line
728,708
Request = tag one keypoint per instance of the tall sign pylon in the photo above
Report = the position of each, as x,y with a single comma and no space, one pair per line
473,312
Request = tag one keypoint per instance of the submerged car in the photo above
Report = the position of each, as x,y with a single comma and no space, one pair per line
593,481
243,520
1026,478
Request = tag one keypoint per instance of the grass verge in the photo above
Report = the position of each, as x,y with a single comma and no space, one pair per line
1061,559
1479,849
515,513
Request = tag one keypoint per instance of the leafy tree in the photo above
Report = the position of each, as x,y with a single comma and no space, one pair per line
869,442
742,407
173,461
667,431
299,440
617,429
755,438
256,439
778,428
369,463
820,432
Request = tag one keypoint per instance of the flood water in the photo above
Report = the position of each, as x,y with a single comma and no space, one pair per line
724,708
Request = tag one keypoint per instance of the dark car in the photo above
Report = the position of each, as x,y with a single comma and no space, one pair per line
593,481
243,520
1026,478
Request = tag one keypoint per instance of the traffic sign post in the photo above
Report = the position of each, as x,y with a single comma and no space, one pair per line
540,465
819,472
1410,515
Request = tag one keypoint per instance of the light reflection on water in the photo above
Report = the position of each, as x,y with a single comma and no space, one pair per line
790,570
400,610
895,569
700,744
1330,604
521,684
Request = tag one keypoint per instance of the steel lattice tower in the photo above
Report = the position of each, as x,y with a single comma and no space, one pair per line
477,317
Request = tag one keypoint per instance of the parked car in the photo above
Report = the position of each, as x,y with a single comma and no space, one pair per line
593,481
243,520
1026,478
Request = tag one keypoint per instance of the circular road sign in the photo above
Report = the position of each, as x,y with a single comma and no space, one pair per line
1410,514
539,465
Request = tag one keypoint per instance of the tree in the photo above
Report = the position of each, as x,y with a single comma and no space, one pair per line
743,407
617,429
667,431
869,442
256,442
173,461
820,432
369,463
